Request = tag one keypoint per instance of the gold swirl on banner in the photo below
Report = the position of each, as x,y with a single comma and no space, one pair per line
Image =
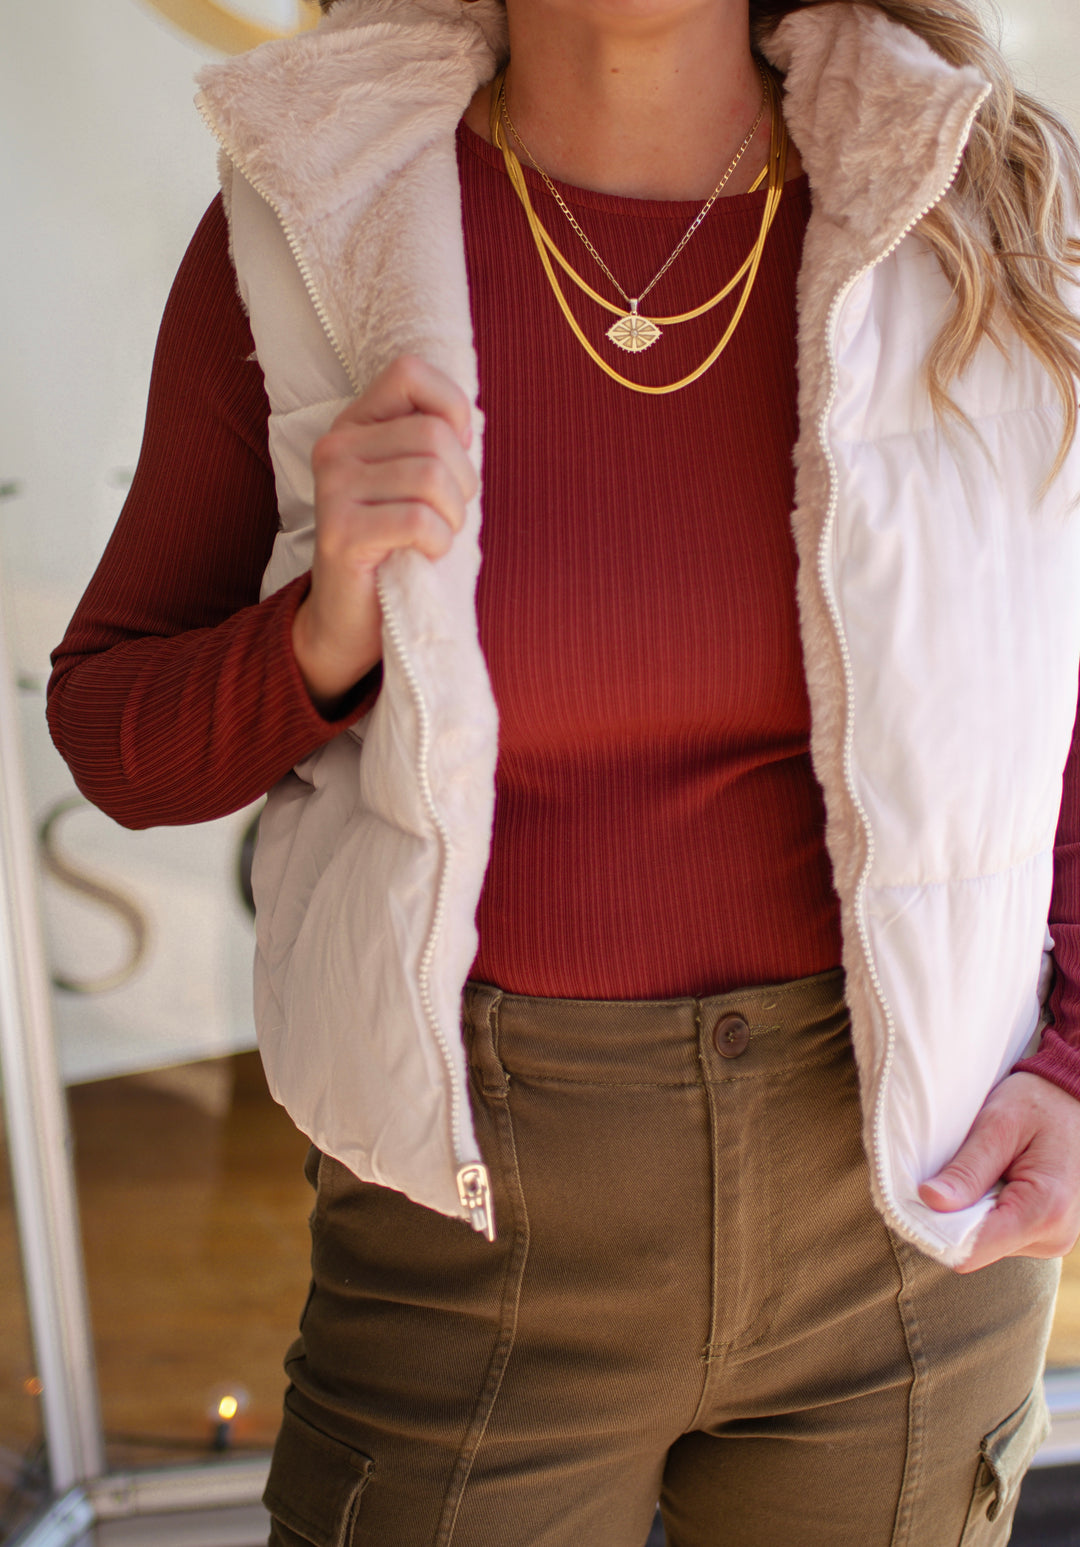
221,27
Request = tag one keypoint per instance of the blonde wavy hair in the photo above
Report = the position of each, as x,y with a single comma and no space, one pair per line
1002,234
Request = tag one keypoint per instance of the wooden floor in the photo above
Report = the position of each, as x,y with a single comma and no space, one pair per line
194,1211
21,1459
194,1216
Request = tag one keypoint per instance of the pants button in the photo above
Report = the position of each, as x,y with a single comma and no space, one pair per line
731,1036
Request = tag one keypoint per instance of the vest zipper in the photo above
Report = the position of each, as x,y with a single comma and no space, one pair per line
473,1183
471,1177
824,575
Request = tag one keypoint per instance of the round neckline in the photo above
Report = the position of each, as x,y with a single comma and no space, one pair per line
624,204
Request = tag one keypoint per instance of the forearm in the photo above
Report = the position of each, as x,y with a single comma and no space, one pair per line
175,695
1058,1057
189,728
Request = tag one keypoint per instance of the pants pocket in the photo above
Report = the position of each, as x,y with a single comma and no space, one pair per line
1005,1455
315,1483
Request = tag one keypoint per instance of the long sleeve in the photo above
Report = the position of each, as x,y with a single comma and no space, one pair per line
175,696
1058,1057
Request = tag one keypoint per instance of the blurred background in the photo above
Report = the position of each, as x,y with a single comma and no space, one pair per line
187,1186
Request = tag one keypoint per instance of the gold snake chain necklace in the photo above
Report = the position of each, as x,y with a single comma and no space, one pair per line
632,331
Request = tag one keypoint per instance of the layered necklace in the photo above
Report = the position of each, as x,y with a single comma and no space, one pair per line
632,331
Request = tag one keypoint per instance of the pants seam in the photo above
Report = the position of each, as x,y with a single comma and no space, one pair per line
913,1459
511,1302
712,1349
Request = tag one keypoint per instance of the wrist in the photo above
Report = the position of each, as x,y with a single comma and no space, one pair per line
328,672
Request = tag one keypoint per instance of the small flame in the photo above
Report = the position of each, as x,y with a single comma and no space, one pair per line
228,1408
33,1387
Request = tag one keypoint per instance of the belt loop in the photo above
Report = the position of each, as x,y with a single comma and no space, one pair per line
481,1016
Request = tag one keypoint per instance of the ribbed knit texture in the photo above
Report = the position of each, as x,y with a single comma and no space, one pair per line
1058,1058
658,828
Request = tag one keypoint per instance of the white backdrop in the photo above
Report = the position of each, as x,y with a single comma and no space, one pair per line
105,169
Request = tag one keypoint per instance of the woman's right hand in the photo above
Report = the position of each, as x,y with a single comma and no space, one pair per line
392,471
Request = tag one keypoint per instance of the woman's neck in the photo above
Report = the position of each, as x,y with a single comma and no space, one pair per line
649,99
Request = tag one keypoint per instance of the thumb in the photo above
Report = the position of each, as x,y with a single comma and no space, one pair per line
978,1164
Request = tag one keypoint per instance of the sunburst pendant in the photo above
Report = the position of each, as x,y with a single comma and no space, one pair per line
633,333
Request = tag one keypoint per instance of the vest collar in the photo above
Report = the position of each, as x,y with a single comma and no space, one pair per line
879,119
314,120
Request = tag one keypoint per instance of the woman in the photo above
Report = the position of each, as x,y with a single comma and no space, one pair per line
677,1284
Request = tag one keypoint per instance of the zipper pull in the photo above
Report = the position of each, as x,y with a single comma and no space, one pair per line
474,1190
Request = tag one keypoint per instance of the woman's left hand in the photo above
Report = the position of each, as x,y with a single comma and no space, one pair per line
1027,1136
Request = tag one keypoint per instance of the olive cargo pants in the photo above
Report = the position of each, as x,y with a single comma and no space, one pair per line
691,1298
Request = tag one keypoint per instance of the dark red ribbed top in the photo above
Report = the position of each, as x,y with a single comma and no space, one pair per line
658,828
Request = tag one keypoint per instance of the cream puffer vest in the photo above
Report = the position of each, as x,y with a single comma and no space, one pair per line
937,595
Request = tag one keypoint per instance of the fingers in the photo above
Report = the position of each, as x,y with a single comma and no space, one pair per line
1028,1220
414,435
392,472
400,446
1027,1137
413,459
365,510
412,386
978,1164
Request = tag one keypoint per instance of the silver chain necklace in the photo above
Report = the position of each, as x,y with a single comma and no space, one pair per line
633,332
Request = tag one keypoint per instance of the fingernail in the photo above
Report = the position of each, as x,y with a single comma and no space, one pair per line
946,1188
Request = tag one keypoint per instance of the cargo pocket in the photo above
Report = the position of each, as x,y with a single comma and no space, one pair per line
1006,1454
315,1483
